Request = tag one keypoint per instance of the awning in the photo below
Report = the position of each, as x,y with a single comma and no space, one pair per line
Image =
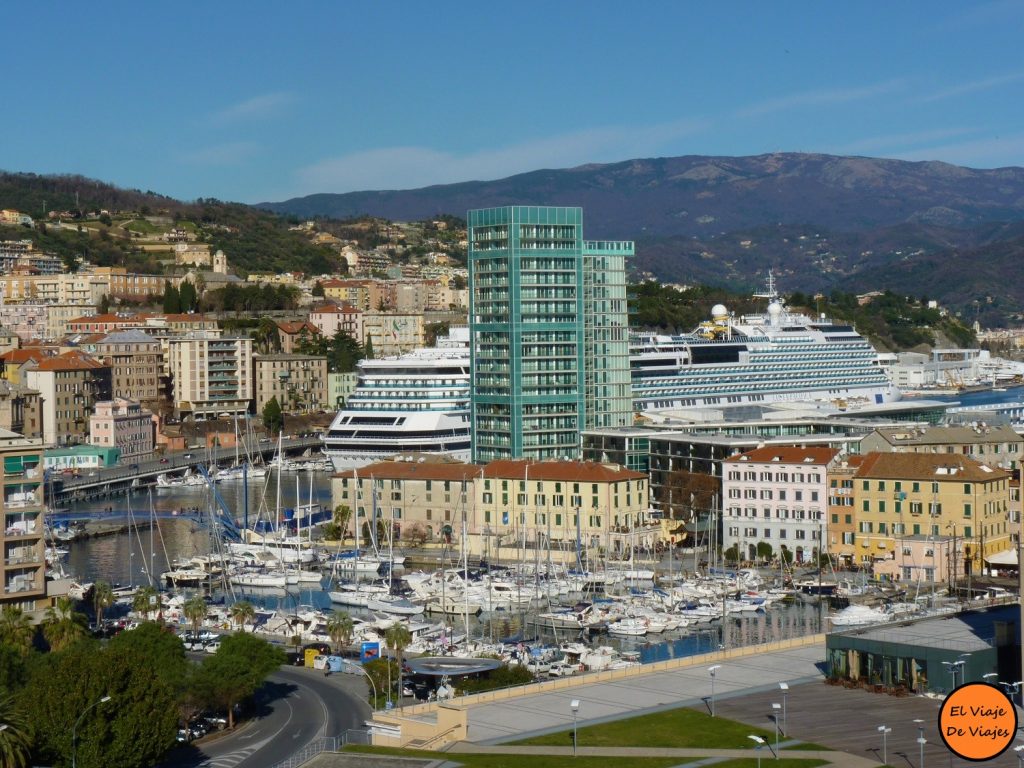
1006,557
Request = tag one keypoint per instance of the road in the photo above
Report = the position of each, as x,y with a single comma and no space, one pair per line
293,708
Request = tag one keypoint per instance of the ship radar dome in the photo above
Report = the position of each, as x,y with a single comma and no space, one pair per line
719,310
775,309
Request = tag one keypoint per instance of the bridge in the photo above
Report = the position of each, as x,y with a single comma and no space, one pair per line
107,481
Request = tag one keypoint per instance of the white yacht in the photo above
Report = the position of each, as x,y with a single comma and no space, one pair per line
414,402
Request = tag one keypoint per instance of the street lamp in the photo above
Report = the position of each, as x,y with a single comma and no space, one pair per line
885,732
711,671
574,705
953,667
74,729
759,742
921,741
784,687
776,708
373,685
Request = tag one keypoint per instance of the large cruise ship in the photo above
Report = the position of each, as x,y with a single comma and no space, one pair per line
414,402
755,359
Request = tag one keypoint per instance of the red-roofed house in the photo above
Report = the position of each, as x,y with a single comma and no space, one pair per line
777,495
102,323
291,331
14,361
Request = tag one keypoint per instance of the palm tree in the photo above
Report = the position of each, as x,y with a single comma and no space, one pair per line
145,601
63,625
398,638
16,629
102,598
241,612
195,611
340,627
15,744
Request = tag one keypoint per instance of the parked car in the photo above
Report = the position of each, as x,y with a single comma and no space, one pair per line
563,669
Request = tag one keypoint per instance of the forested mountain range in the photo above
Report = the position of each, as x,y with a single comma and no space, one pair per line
823,222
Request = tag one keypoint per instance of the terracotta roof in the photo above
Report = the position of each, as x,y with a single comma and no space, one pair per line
292,327
572,471
566,471
108,318
335,309
411,470
70,361
786,454
19,356
927,466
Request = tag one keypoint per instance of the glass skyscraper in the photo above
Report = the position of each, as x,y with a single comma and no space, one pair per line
548,331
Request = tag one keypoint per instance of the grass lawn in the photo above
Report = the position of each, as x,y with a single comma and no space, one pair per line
143,226
682,728
582,761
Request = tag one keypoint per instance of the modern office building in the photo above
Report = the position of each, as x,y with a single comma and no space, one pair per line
548,329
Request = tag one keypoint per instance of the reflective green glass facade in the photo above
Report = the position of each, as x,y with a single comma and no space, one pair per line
548,332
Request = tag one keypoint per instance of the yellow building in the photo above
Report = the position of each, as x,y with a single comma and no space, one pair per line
504,503
898,495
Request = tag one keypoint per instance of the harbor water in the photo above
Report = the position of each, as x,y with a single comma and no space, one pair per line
159,537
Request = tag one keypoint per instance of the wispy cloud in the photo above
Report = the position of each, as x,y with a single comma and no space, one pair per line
821,97
975,86
991,152
415,166
263,105
230,153
900,141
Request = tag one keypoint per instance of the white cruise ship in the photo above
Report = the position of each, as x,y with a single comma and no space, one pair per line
414,402
755,359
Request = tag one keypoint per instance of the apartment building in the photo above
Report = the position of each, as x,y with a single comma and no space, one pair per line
26,321
392,333
211,374
299,382
125,425
777,495
20,410
932,495
997,445
504,502
69,386
136,362
24,565
331,318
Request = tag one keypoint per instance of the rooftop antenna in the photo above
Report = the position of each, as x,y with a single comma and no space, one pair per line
770,292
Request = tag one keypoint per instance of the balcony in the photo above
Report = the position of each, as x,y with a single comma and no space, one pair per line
20,586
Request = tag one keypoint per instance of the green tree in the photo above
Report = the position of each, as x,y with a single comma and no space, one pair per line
242,613
236,671
102,598
273,417
189,297
16,629
340,627
104,306
146,601
341,518
195,611
172,299
764,551
381,672
318,289
14,667
64,626
267,336
368,347
163,649
398,637
132,730
15,738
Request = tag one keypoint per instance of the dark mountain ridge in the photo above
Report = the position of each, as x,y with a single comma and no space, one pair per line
697,195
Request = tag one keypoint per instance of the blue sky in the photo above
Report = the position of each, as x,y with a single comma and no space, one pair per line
262,101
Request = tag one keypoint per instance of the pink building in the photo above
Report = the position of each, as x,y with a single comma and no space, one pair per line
123,424
777,495
332,318
922,559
